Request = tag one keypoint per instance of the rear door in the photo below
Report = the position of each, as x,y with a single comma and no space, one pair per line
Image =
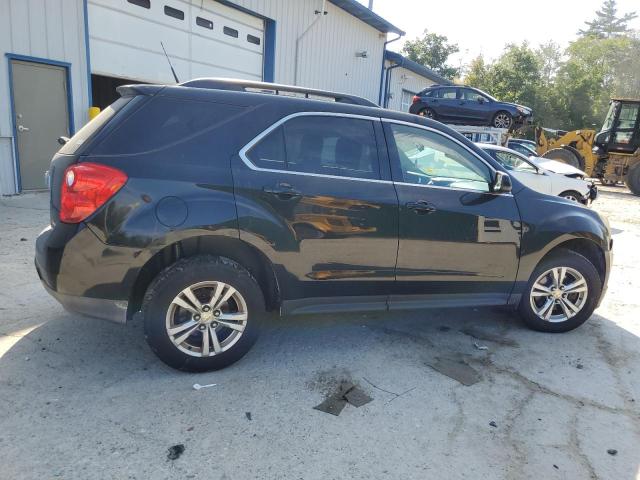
314,193
445,103
458,242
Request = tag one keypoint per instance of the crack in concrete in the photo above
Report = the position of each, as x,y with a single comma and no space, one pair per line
576,448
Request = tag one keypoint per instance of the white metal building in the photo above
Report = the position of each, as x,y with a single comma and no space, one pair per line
404,78
60,57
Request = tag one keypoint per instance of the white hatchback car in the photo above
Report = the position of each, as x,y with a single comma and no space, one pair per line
544,175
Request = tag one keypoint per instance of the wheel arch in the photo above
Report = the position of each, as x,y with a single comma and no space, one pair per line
585,247
235,249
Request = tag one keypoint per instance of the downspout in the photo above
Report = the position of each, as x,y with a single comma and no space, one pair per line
382,69
319,14
387,81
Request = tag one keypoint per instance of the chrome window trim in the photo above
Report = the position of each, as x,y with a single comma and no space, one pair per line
245,159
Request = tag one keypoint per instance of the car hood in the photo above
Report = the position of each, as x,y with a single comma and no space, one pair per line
557,167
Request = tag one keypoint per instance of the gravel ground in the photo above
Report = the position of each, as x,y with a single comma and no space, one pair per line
83,398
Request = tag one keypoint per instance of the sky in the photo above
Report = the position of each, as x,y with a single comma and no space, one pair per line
485,26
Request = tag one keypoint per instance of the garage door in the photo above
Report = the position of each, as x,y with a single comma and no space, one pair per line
203,39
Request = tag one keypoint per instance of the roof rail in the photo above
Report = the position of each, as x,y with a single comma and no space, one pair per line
276,89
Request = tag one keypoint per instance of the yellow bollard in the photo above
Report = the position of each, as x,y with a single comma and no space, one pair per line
93,112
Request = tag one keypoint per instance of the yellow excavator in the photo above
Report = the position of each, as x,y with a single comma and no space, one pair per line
612,154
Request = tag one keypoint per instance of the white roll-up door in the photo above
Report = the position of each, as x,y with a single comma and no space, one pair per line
203,38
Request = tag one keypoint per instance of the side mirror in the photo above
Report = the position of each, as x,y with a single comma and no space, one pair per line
480,100
63,140
501,183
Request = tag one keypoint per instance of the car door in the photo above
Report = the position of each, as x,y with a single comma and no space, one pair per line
444,102
458,242
473,106
314,193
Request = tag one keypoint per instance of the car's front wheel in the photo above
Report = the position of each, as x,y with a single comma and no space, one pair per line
202,313
561,294
572,195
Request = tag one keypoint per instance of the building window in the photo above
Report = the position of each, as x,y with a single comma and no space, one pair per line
407,98
203,22
141,3
232,32
253,39
173,12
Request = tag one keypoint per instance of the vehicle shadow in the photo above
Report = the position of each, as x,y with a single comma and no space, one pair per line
559,400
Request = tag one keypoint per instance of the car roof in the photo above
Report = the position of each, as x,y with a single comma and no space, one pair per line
491,146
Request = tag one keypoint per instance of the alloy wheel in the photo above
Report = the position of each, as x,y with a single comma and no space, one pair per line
502,120
558,294
206,319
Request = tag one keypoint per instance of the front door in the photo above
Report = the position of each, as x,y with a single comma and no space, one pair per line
41,116
315,194
458,242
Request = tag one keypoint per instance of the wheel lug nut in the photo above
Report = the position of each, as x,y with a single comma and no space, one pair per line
202,327
196,317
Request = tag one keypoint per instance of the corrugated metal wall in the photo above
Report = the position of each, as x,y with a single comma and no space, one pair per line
51,29
403,79
327,53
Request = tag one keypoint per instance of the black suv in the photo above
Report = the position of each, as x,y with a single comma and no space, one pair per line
204,205
468,106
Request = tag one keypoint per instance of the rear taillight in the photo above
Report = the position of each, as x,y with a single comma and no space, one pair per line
85,188
415,99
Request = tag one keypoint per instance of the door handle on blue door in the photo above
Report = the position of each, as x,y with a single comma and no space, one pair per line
283,191
421,207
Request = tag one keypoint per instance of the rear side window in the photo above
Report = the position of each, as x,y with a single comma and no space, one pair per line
93,126
164,122
325,145
447,93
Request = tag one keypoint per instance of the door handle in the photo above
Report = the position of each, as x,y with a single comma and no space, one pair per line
421,207
283,191
22,128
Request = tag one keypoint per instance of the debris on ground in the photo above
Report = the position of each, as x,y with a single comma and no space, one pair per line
479,334
579,366
480,347
347,393
197,386
612,451
22,239
174,452
455,368
248,415
493,424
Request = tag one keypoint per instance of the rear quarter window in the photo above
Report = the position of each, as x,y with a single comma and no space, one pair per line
165,122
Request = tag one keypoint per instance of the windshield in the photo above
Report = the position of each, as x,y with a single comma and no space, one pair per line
608,121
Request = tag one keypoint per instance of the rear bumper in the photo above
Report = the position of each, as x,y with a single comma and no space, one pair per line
85,275
112,310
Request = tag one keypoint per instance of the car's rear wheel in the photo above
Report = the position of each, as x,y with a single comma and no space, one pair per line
428,112
202,313
561,294
502,119
572,195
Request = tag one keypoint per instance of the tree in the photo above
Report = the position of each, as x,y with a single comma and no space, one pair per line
607,24
433,51
478,74
550,58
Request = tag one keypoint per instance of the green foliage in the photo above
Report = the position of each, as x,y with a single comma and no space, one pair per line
567,90
433,51
607,24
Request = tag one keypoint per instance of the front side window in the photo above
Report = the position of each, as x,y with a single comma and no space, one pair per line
429,158
472,95
511,161
324,145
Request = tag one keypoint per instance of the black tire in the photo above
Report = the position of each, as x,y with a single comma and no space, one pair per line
502,119
573,260
185,273
429,113
565,156
633,179
572,195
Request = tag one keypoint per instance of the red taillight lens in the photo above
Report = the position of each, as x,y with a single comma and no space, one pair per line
86,187
416,99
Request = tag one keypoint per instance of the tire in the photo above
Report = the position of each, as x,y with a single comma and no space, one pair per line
428,112
565,156
575,265
633,179
502,119
224,345
572,195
